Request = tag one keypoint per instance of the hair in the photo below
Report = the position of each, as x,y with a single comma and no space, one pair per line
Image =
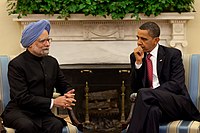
152,27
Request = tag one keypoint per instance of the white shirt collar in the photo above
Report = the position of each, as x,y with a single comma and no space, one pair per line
154,52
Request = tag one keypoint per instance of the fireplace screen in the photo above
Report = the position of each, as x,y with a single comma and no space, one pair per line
102,96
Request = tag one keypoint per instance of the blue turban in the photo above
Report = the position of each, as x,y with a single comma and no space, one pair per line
33,31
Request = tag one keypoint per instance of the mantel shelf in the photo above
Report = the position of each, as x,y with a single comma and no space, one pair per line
78,17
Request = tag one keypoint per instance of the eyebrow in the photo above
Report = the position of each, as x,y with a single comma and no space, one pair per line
141,37
40,39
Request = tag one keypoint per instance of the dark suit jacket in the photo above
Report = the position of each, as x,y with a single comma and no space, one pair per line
170,70
32,81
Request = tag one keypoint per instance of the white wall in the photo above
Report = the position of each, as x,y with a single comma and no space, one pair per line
9,32
193,31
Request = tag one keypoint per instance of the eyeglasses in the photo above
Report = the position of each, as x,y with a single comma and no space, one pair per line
44,41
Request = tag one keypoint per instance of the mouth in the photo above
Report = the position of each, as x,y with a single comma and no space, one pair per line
45,49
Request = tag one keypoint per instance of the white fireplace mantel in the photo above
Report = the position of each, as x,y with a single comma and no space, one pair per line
87,39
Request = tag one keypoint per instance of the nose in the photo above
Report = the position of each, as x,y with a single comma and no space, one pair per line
139,42
47,44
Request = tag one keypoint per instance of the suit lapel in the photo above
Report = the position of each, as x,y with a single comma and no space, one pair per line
160,60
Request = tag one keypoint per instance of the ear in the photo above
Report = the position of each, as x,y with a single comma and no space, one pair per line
157,39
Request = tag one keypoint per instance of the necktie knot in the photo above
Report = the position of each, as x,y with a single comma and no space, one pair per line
149,56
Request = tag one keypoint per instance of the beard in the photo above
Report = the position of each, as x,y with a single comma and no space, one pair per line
41,52
45,52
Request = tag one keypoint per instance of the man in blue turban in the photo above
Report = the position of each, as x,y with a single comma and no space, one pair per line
33,31
32,76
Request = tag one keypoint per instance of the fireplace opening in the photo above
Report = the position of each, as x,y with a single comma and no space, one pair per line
102,94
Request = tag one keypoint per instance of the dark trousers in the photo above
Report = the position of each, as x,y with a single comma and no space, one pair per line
41,124
154,106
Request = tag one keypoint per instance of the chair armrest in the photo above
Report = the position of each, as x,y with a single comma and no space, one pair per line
74,120
132,99
55,94
71,114
2,128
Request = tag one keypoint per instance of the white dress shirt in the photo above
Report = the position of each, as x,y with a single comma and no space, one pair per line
153,58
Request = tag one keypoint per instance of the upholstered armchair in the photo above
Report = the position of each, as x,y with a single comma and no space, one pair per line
73,125
192,73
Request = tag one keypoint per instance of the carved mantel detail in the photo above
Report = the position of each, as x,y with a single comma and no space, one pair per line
110,41
178,34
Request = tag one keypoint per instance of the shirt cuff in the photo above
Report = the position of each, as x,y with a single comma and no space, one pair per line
137,66
51,104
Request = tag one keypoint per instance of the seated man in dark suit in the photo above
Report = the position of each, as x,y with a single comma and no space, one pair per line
32,76
158,78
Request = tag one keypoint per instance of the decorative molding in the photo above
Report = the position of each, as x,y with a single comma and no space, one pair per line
86,32
178,34
82,17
